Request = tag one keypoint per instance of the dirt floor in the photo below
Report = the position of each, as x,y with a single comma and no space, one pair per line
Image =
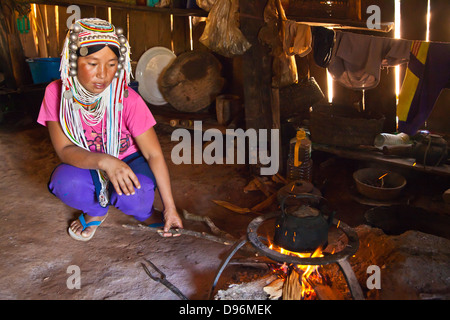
37,254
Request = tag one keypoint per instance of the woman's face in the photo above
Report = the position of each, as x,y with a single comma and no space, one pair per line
96,71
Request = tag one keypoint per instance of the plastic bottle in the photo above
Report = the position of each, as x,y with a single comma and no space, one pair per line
387,139
299,164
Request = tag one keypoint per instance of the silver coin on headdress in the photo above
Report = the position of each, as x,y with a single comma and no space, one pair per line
67,94
84,51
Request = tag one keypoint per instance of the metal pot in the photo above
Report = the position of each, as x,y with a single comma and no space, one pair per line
302,228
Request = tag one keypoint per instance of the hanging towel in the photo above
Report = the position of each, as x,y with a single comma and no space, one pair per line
357,59
427,74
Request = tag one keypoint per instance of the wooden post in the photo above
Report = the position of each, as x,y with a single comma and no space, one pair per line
256,68
261,101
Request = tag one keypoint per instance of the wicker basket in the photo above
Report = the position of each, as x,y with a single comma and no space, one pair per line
344,126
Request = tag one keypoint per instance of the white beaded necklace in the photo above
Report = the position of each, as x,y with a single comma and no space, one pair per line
107,112
91,116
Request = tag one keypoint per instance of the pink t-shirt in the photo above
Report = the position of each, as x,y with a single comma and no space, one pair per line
136,119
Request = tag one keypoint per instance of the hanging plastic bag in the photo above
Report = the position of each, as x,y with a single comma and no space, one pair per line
222,34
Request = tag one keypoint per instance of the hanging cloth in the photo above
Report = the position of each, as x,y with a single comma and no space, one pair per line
297,38
323,43
427,74
357,59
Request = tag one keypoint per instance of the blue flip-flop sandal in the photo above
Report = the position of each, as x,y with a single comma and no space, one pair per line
157,224
85,225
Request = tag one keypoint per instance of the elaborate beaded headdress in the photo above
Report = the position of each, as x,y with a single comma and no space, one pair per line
83,37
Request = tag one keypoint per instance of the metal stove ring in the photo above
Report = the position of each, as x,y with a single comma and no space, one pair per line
340,258
349,250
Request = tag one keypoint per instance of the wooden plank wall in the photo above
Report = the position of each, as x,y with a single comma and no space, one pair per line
144,29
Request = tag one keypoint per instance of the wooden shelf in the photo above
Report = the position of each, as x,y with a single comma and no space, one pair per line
346,24
443,170
313,21
120,5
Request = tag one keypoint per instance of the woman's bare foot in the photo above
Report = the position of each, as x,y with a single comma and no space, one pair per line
77,227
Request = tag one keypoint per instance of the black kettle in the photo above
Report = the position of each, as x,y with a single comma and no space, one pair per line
303,228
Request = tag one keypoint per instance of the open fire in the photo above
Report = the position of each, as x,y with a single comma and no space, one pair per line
299,271
303,274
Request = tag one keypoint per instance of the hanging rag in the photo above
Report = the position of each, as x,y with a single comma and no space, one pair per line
427,74
323,42
297,38
357,59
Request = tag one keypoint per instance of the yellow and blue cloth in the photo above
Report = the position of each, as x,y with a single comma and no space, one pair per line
427,74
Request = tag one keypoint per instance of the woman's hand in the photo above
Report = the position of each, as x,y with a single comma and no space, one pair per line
172,220
120,175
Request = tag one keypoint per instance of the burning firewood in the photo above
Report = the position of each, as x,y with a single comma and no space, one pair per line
292,287
274,289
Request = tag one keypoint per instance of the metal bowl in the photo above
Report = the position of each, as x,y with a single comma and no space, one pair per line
379,184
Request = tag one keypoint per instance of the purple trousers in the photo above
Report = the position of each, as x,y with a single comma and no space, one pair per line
77,189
